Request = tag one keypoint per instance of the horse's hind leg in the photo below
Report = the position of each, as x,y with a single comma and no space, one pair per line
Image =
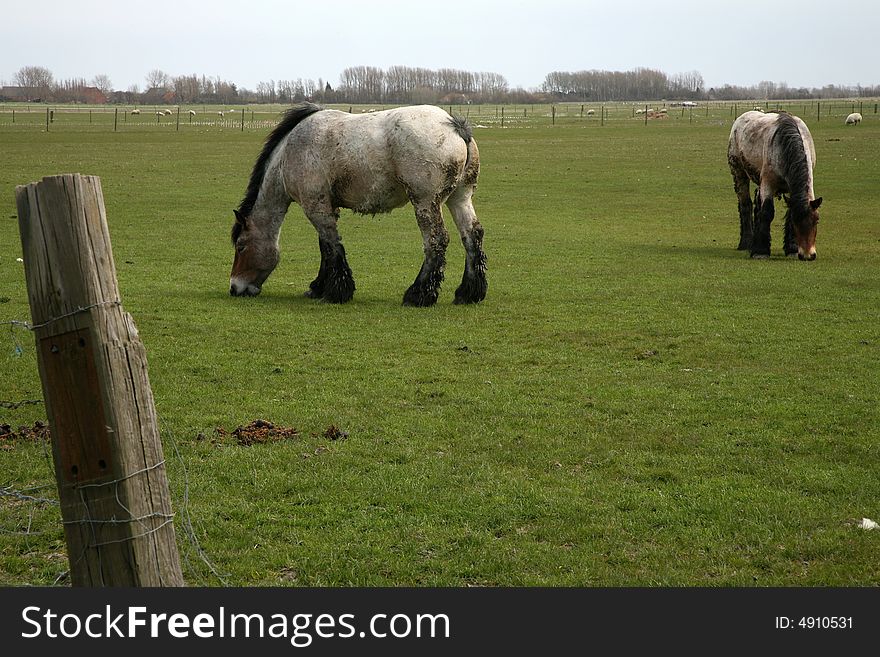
473,283
334,282
426,288
744,203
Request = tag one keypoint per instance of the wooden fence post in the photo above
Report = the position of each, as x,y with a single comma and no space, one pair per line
109,464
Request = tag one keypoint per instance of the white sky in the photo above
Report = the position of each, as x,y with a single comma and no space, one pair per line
801,42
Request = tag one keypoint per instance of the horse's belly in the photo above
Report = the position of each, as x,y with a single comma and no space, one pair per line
369,197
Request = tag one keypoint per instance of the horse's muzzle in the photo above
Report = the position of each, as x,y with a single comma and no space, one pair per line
244,290
807,256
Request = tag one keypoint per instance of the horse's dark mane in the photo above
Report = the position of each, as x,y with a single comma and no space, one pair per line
289,121
794,157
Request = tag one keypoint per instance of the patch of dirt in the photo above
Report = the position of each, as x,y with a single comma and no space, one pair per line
8,436
335,433
259,432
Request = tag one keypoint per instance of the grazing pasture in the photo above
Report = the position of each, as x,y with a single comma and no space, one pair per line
635,403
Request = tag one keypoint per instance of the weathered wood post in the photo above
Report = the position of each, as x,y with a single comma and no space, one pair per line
109,464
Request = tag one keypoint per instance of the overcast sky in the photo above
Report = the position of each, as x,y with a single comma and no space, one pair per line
801,42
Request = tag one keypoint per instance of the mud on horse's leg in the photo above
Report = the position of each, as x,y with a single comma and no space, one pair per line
473,282
426,288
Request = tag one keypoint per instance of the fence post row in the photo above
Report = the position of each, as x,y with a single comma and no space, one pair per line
109,464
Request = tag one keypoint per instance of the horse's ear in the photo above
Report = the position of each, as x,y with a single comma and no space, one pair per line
240,218
816,203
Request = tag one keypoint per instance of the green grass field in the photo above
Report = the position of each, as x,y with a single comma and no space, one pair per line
635,403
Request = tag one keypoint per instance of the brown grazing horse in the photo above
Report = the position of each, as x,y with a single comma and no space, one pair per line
775,151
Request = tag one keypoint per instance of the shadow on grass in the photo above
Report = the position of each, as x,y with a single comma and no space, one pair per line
707,251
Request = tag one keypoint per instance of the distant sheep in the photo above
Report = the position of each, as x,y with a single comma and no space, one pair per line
854,118
192,112
135,111
590,112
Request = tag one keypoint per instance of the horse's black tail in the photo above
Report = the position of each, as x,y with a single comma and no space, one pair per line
463,129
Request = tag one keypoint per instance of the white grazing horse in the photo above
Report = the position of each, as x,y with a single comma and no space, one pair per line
371,163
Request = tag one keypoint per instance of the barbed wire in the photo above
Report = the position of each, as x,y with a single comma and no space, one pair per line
24,402
87,520
8,491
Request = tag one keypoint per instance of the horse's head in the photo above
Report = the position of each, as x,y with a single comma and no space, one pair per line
805,225
256,256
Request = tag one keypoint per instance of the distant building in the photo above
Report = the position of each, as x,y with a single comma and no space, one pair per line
93,96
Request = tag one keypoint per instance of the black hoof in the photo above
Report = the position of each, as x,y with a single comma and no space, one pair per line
338,286
339,294
471,290
419,297
312,293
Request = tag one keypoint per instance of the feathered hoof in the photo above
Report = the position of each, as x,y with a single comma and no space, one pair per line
760,256
419,297
472,290
339,289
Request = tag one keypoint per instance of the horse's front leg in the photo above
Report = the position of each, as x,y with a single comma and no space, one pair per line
426,288
789,241
473,282
764,212
334,282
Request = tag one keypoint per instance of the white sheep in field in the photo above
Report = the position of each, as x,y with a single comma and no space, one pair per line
854,118
220,114
167,112
192,112
590,112
135,111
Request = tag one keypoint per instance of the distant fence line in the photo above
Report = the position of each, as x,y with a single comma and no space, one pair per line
117,118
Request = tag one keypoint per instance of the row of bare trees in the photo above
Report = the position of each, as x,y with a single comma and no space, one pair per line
782,91
405,84
638,84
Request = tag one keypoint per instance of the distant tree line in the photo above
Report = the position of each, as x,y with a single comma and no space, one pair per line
638,84
405,84
781,91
